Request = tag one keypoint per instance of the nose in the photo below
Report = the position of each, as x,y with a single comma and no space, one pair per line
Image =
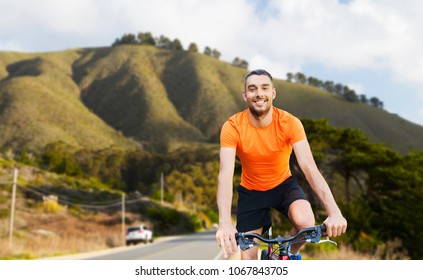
259,92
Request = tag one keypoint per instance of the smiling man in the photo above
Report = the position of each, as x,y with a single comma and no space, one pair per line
263,137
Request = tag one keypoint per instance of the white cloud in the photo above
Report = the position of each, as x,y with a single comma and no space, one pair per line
67,16
365,33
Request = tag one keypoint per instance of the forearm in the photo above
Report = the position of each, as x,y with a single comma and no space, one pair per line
314,177
224,201
323,192
225,185
335,222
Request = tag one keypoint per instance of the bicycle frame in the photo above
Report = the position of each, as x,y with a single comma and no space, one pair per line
310,234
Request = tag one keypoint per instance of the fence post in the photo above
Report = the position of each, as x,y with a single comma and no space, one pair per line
161,188
12,207
123,218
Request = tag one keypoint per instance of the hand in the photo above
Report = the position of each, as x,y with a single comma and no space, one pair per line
225,237
335,225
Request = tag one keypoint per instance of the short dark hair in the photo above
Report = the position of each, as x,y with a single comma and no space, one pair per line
257,72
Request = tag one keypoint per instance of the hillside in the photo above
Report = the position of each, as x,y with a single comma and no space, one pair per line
379,125
102,97
40,103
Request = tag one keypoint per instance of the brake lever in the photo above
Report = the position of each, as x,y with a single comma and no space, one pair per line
319,241
315,237
327,241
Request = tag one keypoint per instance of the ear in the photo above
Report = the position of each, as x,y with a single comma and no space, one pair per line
274,93
244,96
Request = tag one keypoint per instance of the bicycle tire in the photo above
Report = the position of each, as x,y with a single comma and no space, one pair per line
264,255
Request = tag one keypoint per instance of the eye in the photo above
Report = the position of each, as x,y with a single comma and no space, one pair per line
252,88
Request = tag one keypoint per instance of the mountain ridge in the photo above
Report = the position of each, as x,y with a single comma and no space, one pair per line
125,95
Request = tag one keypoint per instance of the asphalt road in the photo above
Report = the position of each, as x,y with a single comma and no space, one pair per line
198,246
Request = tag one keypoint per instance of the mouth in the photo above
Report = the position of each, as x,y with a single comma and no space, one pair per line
260,102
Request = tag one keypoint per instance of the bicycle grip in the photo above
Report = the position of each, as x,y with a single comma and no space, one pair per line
244,243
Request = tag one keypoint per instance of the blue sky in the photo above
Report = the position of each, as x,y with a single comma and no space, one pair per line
372,46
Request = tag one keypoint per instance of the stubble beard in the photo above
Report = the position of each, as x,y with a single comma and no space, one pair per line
259,114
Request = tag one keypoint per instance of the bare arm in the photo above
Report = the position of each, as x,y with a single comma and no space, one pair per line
335,223
225,234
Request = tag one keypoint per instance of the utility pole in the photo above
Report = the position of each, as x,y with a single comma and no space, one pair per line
161,188
123,217
12,207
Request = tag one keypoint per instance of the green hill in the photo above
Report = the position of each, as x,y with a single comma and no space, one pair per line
102,97
378,125
40,103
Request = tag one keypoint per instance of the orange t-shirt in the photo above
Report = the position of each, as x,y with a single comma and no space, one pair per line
264,152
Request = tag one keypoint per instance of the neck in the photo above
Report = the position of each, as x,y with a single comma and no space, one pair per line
261,120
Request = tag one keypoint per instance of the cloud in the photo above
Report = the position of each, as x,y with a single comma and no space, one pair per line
286,34
362,34
279,35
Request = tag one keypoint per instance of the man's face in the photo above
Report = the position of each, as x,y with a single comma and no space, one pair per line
259,94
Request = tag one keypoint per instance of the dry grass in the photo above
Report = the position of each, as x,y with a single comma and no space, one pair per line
40,234
391,250
43,234
343,253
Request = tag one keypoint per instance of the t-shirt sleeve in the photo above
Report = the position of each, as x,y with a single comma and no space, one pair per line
229,136
297,132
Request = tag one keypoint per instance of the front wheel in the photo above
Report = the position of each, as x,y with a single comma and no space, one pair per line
264,255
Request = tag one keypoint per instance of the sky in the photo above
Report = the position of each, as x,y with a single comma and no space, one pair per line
372,46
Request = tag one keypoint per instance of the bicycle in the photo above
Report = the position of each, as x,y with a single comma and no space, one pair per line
278,248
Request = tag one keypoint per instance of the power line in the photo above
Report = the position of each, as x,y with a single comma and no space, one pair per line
104,205
43,192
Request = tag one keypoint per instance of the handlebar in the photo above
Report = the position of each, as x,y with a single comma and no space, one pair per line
311,234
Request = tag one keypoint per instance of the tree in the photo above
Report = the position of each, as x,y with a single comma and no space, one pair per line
339,89
329,86
289,77
374,101
146,39
350,95
58,157
394,195
164,42
140,170
239,62
313,81
300,78
207,51
215,53
127,39
177,45
193,48
363,99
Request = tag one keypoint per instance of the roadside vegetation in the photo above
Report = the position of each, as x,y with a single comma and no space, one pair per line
378,189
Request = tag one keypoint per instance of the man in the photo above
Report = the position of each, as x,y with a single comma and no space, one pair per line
263,137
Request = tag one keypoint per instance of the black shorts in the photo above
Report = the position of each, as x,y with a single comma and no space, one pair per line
254,206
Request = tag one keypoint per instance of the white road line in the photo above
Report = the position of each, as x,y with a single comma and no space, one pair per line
218,255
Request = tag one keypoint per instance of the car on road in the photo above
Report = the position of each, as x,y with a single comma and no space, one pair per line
137,234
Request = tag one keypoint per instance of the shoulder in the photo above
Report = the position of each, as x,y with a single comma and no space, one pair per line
237,119
284,117
291,125
231,130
